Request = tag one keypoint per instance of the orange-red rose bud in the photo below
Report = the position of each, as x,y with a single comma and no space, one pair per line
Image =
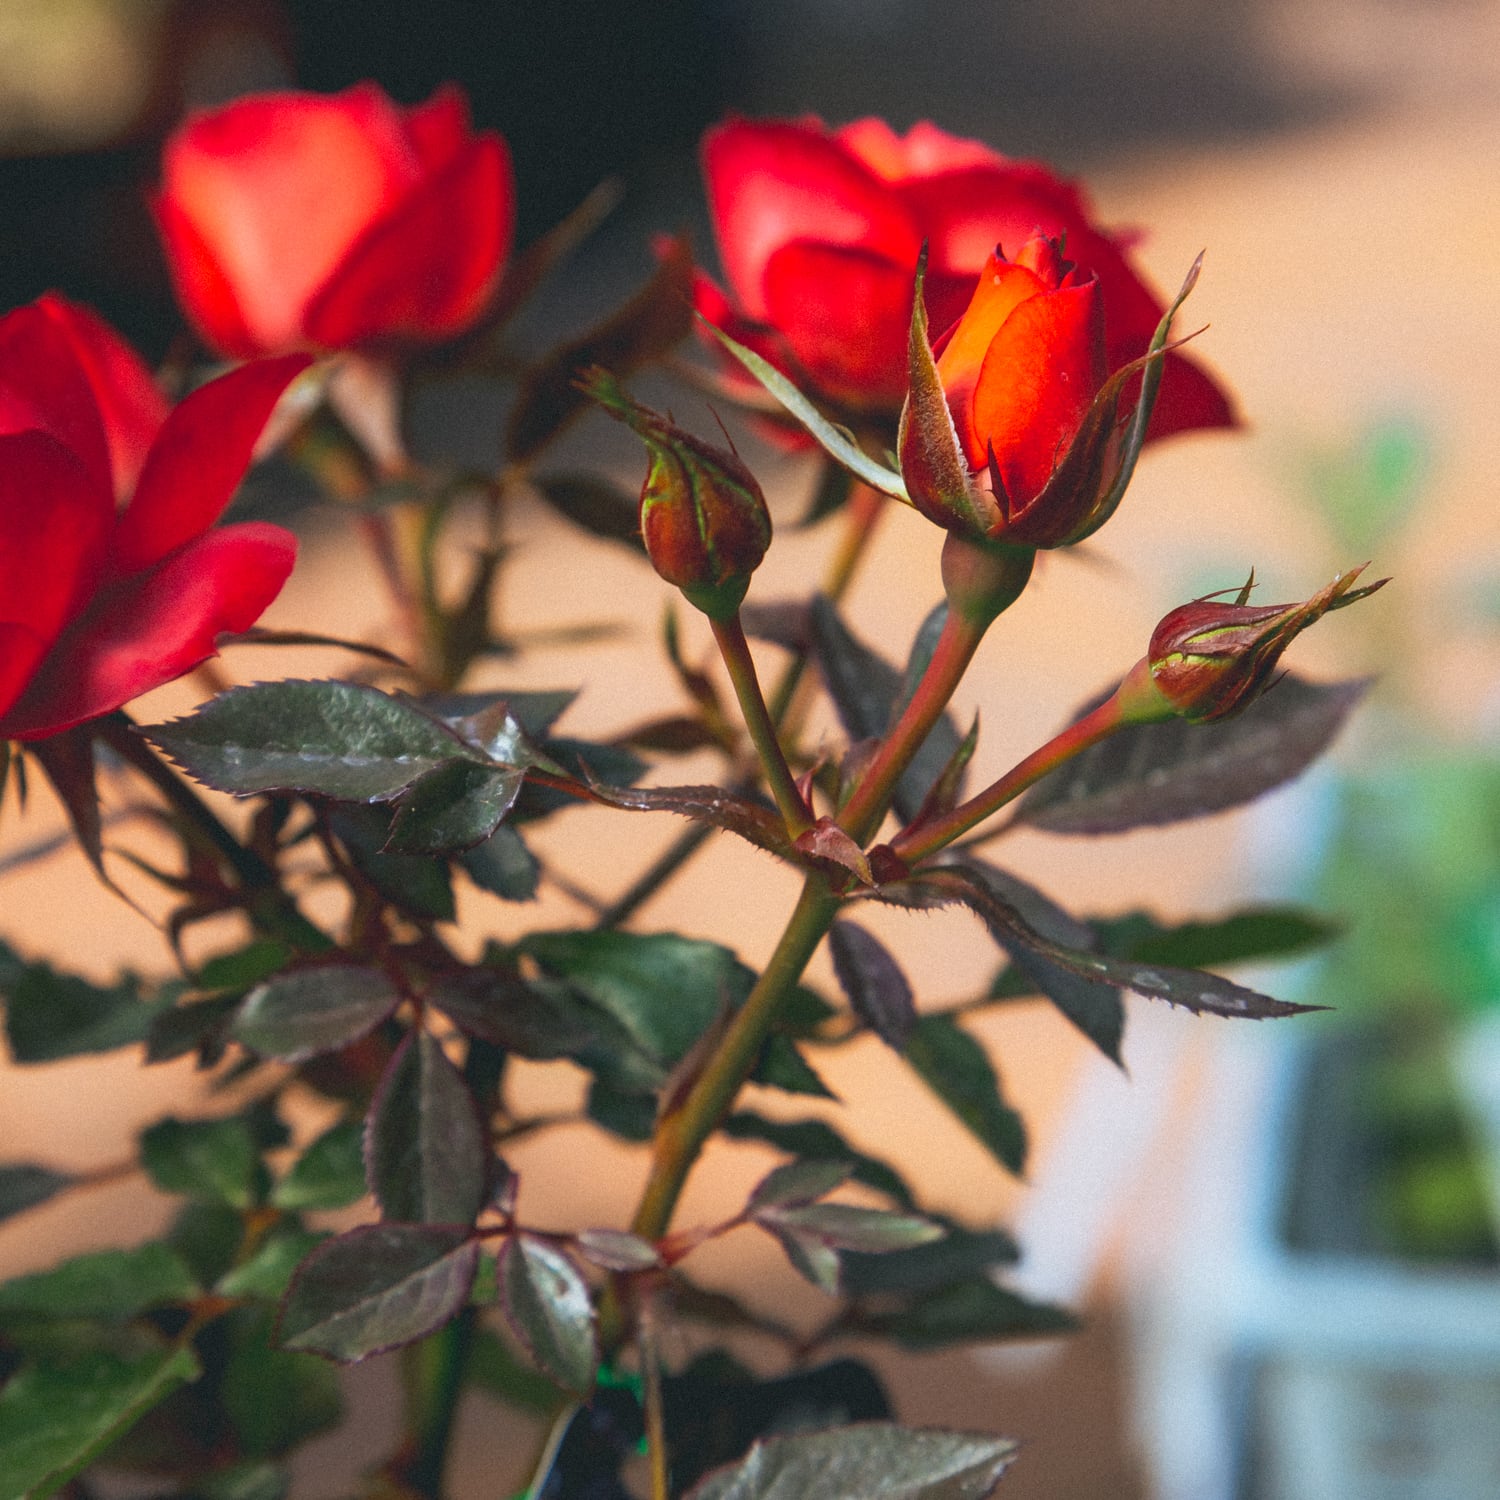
1210,659
703,517
1022,370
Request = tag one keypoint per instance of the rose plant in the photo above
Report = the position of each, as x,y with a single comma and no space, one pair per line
297,227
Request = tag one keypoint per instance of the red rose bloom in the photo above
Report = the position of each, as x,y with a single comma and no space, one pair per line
100,603
297,221
819,233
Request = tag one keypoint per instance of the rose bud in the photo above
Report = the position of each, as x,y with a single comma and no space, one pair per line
1210,659
704,520
819,230
304,221
112,584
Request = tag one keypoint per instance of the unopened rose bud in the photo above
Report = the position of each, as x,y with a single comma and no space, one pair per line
703,518
1210,659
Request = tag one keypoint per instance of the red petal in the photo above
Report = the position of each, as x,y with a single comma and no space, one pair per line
201,286
45,388
279,186
156,626
923,151
774,181
198,461
427,269
129,399
1043,369
54,520
439,129
1189,398
845,314
1001,288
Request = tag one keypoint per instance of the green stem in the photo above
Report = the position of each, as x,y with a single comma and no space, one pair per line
438,1377
735,650
921,839
269,907
681,1134
951,656
656,1420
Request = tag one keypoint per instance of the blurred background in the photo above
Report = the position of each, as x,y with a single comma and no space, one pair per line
1277,1306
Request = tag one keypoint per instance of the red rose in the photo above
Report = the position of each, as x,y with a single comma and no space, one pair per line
819,233
296,221
99,603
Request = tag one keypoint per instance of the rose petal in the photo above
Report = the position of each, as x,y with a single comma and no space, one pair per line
1002,287
44,387
921,152
198,460
201,286
771,182
439,129
279,186
155,626
54,520
20,651
1038,380
130,402
456,226
845,314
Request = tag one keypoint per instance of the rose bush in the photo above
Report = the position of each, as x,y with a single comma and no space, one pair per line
819,232
295,221
100,603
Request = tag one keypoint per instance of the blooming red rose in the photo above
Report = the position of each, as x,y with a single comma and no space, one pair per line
111,584
296,221
819,233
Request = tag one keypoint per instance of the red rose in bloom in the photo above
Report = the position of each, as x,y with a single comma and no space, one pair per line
295,221
99,603
819,233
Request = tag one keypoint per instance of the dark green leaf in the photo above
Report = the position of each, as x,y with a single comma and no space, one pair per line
452,809
594,504
782,1066
208,1237
50,1015
1162,773
274,1399
961,1255
503,865
547,1304
215,1161
376,1288
664,990
200,1026
418,885
425,1147
330,739
269,1271
248,1481
493,1368
1094,1008
797,1183
867,691
1261,933
245,966
55,1420
534,712
302,1012
536,1020
111,1285
869,1460
874,983
751,821
815,1139
614,1250
68,761
1206,994
629,1114
974,1311
330,1173
957,1069
24,1185
847,1226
